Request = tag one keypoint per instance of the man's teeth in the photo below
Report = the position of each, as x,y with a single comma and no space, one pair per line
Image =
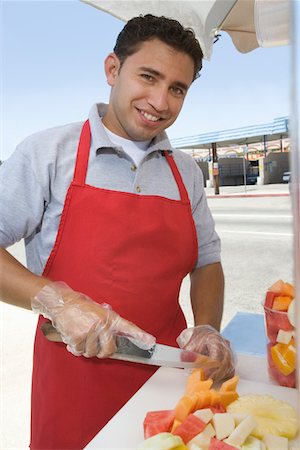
149,116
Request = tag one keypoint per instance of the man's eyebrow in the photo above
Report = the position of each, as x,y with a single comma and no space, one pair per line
158,74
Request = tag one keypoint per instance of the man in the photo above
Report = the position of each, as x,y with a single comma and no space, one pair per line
111,229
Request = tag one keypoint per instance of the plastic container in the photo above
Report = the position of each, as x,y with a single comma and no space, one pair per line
281,363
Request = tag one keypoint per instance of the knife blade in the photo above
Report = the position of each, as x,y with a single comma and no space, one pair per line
159,355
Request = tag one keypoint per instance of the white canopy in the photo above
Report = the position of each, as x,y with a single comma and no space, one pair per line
250,23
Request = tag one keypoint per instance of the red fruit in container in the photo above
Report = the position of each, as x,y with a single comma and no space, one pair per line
275,321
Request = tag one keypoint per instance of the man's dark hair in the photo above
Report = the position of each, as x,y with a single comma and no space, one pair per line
170,31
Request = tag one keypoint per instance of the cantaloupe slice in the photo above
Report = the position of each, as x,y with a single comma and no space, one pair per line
228,397
281,303
282,288
176,424
185,406
230,385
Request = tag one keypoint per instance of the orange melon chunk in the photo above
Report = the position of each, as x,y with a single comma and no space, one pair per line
194,378
185,406
281,303
228,397
230,385
176,424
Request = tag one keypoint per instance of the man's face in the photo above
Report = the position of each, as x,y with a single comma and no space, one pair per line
147,91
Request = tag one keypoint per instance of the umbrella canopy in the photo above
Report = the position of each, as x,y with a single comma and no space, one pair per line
250,23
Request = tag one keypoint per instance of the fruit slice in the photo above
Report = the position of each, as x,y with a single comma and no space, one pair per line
242,431
276,442
189,428
202,439
230,385
281,303
291,313
253,443
284,337
277,354
282,288
223,424
215,444
157,422
162,441
272,416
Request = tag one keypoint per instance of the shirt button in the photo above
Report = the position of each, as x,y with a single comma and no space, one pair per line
138,189
133,167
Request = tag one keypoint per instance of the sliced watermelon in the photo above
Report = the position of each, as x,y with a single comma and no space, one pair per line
158,422
189,428
275,321
215,444
217,408
269,299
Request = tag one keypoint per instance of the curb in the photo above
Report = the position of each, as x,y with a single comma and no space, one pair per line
247,195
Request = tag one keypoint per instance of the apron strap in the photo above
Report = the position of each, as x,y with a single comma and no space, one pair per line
182,190
83,153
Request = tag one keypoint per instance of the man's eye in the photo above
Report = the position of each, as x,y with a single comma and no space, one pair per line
147,77
178,92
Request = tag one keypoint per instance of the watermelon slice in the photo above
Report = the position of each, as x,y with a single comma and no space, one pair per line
189,428
157,422
215,444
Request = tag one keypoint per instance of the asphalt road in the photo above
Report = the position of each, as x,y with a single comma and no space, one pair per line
257,248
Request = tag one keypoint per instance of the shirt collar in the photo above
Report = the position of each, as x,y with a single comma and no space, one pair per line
101,141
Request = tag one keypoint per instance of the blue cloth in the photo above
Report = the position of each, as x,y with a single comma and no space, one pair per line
246,333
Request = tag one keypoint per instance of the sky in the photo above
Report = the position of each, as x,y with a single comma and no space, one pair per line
52,73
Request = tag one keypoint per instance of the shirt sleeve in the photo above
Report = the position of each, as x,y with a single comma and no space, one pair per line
22,198
209,245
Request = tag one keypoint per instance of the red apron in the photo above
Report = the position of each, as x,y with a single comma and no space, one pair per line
128,250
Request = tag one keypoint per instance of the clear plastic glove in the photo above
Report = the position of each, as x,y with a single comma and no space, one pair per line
206,340
88,328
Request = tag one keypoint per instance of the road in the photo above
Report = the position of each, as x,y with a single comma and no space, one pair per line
257,249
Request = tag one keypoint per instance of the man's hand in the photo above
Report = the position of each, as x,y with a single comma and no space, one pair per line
88,328
206,340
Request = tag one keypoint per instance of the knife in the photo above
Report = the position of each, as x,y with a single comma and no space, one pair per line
158,355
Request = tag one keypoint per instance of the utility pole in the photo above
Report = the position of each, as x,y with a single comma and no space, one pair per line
216,175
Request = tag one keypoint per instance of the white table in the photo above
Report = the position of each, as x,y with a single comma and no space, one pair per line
163,390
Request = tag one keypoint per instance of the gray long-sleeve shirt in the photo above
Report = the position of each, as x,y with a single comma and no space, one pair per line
35,179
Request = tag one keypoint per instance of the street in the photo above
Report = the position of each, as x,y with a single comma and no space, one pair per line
257,248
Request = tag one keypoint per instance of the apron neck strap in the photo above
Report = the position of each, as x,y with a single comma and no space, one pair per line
182,190
83,153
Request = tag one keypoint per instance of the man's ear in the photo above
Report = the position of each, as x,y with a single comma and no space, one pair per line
111,66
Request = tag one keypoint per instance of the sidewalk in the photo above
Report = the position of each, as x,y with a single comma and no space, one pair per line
252,190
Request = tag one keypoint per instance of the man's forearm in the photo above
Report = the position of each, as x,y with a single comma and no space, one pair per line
17,284
207,295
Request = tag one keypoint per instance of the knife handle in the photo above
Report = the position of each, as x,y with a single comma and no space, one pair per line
124,345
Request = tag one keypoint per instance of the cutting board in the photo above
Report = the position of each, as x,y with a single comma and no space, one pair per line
162,391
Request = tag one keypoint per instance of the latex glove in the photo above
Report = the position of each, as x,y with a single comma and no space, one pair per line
88,328
206,340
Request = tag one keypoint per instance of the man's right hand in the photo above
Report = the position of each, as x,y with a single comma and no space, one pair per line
88,328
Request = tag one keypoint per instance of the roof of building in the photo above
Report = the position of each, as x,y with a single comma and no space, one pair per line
237,136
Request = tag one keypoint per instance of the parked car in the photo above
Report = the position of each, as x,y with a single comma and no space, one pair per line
286,177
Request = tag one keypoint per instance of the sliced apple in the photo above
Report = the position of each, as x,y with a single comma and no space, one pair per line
223,424
204,414
202,439
242,431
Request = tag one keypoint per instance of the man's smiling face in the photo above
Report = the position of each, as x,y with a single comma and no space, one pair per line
148,90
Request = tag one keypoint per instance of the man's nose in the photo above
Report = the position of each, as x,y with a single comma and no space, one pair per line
159,99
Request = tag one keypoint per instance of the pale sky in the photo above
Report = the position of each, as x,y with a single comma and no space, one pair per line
52,73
